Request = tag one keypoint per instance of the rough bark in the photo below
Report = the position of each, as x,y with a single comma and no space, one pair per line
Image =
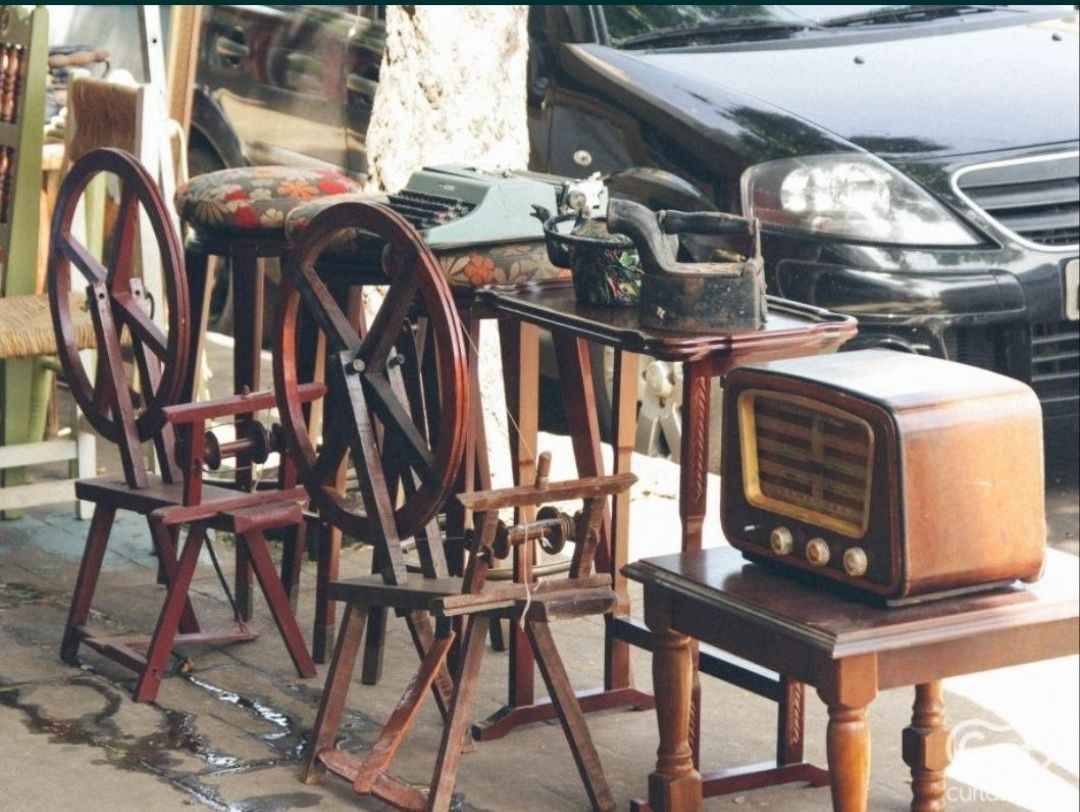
452,90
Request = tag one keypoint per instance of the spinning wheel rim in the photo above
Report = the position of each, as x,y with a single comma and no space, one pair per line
405,254
138,185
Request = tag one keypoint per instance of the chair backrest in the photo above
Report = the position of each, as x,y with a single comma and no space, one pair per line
23,42
141,366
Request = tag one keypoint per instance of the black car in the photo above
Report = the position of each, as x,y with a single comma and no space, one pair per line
916,166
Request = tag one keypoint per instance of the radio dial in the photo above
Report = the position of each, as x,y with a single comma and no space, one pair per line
781,541
817,552
855,562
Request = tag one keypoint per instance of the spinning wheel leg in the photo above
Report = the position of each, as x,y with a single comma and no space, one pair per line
96,540
424,639
255,544
573,720
165,539
326,570
336,690
442,784
161,644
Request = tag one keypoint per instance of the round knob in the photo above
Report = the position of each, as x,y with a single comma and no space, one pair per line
817,552
781,541
855,562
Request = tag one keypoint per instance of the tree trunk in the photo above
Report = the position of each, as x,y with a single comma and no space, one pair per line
452,90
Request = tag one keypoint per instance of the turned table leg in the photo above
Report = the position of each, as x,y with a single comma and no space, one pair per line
675,785
926,750
848,687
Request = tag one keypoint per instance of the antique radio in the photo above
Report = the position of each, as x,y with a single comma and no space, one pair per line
901,476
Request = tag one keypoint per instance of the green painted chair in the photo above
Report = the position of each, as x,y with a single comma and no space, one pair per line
27,344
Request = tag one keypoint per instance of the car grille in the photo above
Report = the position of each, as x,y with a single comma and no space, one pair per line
1036,199
1055,360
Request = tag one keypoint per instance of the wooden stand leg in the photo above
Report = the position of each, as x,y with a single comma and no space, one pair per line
97,538
335,692
926,750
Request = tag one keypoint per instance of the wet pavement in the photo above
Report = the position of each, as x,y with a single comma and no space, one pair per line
230,725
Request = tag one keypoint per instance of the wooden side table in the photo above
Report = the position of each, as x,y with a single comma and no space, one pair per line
847,650
792,329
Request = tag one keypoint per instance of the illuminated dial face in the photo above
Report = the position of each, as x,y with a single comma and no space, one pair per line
806,460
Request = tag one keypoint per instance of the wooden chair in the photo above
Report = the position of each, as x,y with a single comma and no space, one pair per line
133,399
475,606
27,344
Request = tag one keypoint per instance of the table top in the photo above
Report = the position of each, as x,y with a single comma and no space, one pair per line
722,582
789,325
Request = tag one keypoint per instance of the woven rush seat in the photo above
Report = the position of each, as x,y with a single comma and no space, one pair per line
473,266
247,201
26,328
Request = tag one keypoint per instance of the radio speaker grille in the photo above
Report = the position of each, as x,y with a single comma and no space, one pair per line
806,460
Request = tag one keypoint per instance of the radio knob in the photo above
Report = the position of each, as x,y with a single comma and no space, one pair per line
781,541
855,562
817,552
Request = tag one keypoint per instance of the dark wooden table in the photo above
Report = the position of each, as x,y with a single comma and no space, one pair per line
792,329
847,649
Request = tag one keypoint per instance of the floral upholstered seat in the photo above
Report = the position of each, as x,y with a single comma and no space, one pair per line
249,201
472,266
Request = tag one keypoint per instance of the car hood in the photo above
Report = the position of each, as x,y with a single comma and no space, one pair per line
948,94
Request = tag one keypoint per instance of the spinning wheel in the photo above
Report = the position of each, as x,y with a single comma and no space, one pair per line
119,304
405,440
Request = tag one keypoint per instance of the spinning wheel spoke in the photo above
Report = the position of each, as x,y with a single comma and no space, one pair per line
397,422
385,330
123,241
336,439
340,334
129,309
87,263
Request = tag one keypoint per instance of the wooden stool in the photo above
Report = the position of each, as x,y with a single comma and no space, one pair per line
239,214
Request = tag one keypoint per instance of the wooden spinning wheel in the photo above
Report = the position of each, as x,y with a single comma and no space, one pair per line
405,454
119,305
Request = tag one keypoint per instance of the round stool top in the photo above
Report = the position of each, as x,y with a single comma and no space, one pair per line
253,201
466,266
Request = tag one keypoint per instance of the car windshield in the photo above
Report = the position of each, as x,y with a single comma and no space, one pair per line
648,25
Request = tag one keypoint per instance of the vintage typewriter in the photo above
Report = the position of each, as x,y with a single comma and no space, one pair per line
457,206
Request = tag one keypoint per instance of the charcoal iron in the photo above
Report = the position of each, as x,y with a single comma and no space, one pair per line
696,297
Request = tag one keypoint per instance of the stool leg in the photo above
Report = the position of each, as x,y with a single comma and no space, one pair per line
200,278
97,538
247,280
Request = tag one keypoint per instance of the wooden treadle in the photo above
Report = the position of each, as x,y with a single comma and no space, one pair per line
393,790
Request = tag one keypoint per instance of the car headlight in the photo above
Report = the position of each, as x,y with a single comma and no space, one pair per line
848,195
